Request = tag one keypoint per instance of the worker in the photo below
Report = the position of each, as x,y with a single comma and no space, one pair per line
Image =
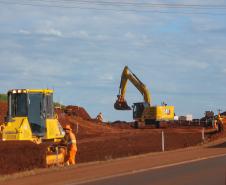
70,141
100,117
220,125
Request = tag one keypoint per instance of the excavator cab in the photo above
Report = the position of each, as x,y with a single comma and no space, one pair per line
138,109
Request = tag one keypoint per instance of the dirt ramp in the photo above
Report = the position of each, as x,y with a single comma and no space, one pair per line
21,156
85,128
77,111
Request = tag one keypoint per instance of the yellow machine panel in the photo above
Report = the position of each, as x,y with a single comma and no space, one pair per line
17,129
53,128
162,113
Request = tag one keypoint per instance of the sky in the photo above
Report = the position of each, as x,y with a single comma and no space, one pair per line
80,50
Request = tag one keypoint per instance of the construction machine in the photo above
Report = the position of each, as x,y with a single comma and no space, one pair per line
143,112
31,117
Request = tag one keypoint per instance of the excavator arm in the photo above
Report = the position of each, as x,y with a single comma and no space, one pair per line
127,74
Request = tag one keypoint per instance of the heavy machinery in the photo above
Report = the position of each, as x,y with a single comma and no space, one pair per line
31,117
143,112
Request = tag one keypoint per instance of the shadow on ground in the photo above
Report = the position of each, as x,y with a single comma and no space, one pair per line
221,145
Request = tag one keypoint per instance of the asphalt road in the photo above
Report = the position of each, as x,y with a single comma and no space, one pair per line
206,172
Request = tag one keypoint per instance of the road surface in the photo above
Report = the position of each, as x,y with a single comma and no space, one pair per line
196,166
205,172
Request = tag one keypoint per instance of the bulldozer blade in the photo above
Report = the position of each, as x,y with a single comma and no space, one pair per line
121,106
54,159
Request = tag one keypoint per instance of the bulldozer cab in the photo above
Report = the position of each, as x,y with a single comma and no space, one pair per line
37,106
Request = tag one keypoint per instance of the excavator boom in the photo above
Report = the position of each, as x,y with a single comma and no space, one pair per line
127,74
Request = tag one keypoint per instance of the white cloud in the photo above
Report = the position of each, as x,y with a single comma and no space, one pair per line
106,77
139,40
195,64
129,35
25,32
82,34
50,32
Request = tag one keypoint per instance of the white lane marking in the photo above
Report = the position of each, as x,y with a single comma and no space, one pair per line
145,169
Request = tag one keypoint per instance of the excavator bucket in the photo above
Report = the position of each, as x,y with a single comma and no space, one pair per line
121,105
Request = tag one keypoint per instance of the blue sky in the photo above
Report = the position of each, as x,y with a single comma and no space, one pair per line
81,53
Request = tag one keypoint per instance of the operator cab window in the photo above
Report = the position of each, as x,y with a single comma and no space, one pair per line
36,116
18,104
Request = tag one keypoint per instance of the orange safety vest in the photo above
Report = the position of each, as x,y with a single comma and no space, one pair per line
71,141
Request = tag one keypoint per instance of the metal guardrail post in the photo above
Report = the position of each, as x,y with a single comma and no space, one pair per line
163,141
76,127
57,152
203,134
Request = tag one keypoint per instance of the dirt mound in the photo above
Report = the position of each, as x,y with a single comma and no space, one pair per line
21,156
77,111
122,124
84,128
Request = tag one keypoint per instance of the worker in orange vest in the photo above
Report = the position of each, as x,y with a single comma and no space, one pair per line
70,141
100,117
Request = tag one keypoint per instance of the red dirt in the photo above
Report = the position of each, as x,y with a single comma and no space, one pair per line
21,156
85,128
3,111
133,143
77,111
122,124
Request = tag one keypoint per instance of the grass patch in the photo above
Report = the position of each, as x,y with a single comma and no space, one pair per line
3,97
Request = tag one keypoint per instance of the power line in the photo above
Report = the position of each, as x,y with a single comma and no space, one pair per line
114,6
144,5
173,5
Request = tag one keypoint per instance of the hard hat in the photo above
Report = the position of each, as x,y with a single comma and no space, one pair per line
67,127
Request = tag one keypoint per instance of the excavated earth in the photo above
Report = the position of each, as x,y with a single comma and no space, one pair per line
21,156
3,111
97,141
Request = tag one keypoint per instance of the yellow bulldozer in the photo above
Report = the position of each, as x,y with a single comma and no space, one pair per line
143,112
31,117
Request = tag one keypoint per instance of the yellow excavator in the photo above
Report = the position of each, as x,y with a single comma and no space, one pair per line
143,112
31,117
